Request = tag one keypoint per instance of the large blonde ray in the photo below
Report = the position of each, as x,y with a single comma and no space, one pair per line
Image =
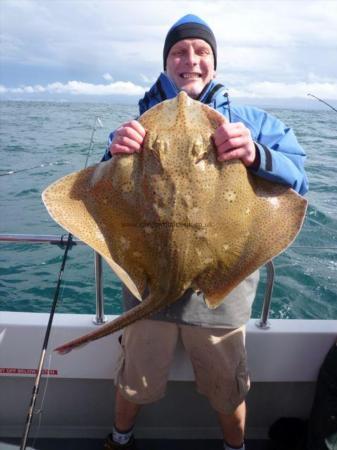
172,217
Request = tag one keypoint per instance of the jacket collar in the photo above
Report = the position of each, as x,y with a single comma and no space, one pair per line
214,94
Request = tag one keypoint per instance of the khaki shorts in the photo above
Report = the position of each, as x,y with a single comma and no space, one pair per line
218,358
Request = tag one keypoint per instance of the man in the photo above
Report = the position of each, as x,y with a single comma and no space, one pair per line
268,149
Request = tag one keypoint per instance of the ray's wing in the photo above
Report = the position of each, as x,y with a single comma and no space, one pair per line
264,224
88,205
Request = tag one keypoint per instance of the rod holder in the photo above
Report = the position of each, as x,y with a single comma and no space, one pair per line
100,318
263,322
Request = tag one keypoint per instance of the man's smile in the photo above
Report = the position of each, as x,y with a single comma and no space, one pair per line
190,75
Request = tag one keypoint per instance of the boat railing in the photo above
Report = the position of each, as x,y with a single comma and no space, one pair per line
99,317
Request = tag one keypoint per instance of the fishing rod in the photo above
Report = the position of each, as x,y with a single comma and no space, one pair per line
69,244
11,172
44,348
323,101
56,163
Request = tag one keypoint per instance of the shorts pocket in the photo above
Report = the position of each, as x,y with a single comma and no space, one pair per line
119,361
242,383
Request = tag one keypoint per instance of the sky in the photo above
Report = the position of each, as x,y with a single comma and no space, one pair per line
112,50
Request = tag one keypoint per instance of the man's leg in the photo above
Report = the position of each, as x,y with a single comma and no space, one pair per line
147,351
233,426
219,360
125,412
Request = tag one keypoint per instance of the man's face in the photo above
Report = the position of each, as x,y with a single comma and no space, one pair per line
190,65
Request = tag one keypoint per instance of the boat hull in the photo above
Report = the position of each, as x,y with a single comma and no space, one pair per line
284,361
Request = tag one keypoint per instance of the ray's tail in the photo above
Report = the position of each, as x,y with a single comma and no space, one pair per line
146,308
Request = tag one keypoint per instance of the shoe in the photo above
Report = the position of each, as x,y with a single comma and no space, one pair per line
109,444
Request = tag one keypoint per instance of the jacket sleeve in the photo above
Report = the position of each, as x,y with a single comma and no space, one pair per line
107,154
281,156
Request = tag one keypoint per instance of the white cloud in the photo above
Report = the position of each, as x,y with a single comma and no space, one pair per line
286,90
258,90
107,77
79,88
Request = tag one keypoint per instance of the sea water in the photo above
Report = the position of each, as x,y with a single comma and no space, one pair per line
42,141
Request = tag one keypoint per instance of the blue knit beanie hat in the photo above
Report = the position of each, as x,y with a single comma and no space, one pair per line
188,27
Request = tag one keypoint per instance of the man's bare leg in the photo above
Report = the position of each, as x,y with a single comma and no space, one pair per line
233,426
125,412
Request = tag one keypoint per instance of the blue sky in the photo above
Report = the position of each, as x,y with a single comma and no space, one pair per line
109,49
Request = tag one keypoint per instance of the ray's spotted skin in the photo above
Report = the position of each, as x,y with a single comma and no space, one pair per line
173,217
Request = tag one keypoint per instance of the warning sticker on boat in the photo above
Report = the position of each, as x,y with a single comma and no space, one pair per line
16,371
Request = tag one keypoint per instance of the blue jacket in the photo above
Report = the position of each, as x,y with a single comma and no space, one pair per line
281,156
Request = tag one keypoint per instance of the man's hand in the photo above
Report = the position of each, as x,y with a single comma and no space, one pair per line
128,138
234,141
